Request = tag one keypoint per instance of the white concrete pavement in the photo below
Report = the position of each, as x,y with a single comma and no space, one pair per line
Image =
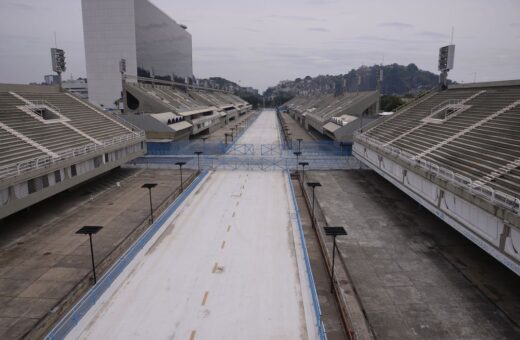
226,265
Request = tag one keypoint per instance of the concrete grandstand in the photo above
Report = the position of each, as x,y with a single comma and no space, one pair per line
335,116
52,141
456,153
184,111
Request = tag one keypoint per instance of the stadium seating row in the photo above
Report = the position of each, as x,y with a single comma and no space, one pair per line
481,141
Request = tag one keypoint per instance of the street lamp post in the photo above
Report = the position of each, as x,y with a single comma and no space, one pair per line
198,153
89,230
297,154
299,143
149,186
334,232
180,164
303,164
313,185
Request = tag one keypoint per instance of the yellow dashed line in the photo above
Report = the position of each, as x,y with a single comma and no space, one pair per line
237,203
205,298
228,228
233,214
192,336
223,244
215,267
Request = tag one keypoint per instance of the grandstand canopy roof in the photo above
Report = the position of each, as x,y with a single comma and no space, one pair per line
194,112
330,126
180,126
164,116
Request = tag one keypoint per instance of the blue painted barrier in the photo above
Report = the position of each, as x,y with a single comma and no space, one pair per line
310,277
81,308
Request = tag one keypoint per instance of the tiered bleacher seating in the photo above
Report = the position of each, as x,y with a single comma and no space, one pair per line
82,117
25,137
209,98
15,150
335,105
55,137
51,140
479,142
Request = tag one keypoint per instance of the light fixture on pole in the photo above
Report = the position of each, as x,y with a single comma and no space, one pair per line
198,153
180,164
334,232
204,143
313,185
89,230
149,186
303,164
299,143
297,154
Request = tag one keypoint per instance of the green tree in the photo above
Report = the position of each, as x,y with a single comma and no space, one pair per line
390,103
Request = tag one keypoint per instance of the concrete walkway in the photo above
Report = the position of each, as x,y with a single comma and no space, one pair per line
41,257
415,276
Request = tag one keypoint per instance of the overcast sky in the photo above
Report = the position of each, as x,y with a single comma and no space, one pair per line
262,42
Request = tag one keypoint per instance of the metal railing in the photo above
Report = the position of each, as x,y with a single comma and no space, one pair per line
19,168
307,148
320,327
247,162
474,187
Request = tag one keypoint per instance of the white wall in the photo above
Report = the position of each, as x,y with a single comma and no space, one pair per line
109,32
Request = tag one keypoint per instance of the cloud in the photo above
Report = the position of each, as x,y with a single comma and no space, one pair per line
433,35
247,29
375,38
395,24
12,5
295,17
318,29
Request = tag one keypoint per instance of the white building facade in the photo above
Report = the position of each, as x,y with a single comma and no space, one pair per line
152,43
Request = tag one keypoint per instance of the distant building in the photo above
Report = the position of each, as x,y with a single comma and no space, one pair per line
152,43
51,79
77,87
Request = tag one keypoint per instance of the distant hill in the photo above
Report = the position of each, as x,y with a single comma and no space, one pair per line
397,80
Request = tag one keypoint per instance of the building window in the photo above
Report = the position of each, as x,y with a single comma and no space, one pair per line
106,158
31,185
73,170
45,181
57,176
97,162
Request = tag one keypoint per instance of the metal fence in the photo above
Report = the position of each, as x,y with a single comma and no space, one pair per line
252,163
186,148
